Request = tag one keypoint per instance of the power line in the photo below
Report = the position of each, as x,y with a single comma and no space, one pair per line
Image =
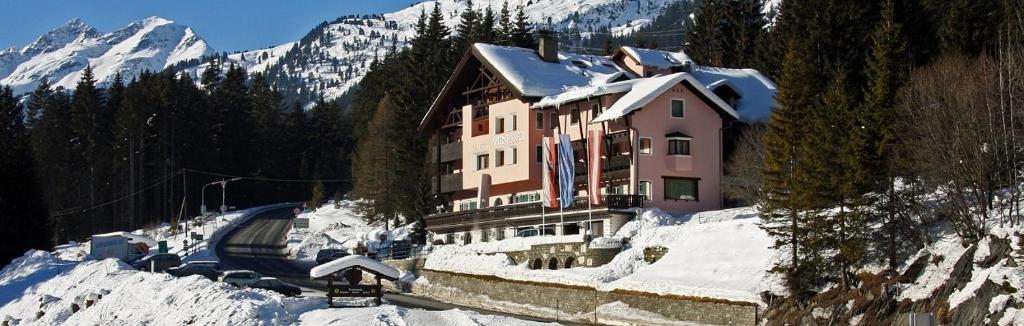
224,175
82,210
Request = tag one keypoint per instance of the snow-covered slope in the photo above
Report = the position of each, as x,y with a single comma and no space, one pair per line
61,54
333,57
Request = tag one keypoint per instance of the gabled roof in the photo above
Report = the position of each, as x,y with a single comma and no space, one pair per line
656,58
757,91
647,89
529,76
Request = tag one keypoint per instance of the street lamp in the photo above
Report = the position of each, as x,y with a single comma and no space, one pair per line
223,184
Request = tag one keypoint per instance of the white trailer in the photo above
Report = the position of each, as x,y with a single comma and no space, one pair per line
121,245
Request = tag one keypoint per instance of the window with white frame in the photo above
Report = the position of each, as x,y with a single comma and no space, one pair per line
595,110
646,145
540,121
499,125
678,109
680,188
679,146
574,116
515,155
515,125
499,158
481,161
644,189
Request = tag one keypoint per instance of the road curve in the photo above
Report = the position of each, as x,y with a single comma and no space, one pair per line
259,245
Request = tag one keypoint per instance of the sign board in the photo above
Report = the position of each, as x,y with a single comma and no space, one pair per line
197,236
353,291
162,245
302,223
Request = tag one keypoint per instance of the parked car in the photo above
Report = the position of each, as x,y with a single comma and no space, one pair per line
326,255
212,263
239,278
194,268
533,232
157,262
276,285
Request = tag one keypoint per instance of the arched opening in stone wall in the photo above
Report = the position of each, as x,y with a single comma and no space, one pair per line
537,264
569,261
553,263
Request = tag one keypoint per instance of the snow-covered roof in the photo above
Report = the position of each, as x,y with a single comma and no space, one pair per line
531,76
346,262
132,238
657,58
579,93
647,89
757,92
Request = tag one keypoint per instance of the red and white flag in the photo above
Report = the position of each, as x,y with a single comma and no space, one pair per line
596,142
550,184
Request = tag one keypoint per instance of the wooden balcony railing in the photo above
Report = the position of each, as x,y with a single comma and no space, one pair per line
449,183
449,152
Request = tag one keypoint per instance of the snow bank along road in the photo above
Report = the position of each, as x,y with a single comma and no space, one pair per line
259,245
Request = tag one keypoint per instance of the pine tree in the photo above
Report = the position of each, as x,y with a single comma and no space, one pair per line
704,40
878,127
505,26
783,201
468,30
90,129
25,218
376,162
486,34
522,34
317,198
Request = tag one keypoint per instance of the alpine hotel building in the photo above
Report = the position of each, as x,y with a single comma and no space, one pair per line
654,121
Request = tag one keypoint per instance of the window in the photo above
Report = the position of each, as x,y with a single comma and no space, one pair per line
678,109
678,147
499,125
554,120
499,158
645,190
540,154
574,116
472,205
540,121
515,155
645,146
595,110
481,161
514,124
680,188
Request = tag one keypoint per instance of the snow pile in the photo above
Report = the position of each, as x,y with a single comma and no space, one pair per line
720,254
726,260
342,228
41,289
757,92
126,296
27,271
947,246
393,315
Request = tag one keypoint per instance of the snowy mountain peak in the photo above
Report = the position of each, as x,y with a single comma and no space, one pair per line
59,37
60,55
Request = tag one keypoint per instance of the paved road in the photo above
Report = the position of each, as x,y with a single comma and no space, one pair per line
259,245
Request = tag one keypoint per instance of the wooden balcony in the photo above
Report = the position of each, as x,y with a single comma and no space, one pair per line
449,183
449,152
621,204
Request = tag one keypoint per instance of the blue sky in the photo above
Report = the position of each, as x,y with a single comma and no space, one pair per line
227,25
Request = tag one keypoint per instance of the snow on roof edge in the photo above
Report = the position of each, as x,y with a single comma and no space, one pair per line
649,89
352,261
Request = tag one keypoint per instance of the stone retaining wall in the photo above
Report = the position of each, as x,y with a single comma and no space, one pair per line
575,303
563,255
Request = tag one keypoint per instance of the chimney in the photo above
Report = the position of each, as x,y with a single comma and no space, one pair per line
548,48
